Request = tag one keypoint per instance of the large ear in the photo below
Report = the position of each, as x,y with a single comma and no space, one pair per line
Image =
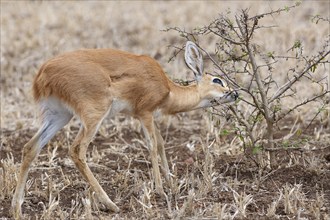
194,60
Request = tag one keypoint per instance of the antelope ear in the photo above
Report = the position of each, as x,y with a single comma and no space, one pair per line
194,60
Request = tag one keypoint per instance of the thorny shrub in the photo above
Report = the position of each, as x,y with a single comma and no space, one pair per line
254,73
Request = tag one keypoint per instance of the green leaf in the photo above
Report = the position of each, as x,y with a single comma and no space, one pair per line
183,35
241,137
256,149
224,132
297,44
271,54
277,108
322,109
286,144
299,132
313,68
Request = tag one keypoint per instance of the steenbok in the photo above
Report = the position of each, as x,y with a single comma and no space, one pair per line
94,83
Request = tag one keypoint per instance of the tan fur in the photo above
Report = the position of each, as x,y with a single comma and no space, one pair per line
90,84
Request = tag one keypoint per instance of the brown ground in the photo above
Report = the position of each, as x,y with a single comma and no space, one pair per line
303,177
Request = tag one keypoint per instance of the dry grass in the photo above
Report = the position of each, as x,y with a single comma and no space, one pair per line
212,178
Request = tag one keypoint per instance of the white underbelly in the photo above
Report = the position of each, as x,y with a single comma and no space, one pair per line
119,106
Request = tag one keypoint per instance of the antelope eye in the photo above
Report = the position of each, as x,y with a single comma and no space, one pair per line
218,81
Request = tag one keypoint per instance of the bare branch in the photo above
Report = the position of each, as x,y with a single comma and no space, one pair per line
274,12
289,84
302,104
225,38
256,75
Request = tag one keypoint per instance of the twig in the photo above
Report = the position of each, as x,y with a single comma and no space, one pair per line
289,84
293,149
273,12
301,104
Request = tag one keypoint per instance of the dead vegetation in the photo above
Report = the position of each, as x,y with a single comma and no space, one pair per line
206,184
213,178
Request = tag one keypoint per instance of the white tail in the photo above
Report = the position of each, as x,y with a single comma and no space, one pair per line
92,84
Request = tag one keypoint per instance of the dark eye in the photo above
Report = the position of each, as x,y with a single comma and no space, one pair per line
218,81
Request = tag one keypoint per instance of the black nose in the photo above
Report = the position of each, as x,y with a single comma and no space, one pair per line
234,94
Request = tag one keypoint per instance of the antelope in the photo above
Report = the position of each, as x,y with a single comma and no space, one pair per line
94,83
